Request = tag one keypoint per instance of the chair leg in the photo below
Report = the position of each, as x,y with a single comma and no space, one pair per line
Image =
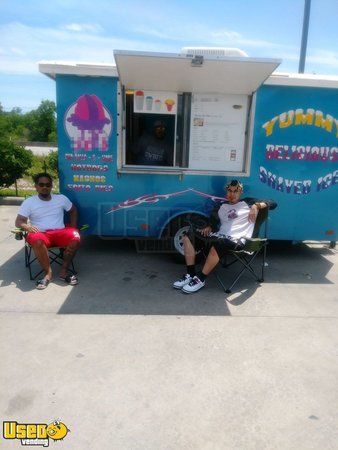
246,262
247,265
263,264
221,282
26,255
53,258
73,268
29,262
228,290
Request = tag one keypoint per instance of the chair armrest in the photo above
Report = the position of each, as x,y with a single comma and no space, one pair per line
17,230
19,233
255,239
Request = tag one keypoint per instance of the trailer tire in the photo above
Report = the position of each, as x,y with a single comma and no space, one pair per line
332,244
176,231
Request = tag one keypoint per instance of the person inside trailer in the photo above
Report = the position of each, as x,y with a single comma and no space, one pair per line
46,228
153,149
230,223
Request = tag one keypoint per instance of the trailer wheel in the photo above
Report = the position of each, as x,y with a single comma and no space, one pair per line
332,244
176,232
178,239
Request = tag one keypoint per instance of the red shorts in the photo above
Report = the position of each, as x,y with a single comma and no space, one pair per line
55,238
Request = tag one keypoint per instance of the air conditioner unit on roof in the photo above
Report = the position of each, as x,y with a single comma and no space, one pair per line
213,51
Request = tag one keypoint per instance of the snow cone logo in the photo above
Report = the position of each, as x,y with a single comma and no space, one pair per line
88,124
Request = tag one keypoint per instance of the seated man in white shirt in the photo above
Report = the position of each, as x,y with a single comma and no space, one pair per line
229,225
46,228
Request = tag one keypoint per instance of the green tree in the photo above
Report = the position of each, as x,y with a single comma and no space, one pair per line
12,124
14,161
52,137
36,125
52,162
41,121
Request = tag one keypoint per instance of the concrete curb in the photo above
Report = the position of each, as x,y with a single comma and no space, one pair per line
11,201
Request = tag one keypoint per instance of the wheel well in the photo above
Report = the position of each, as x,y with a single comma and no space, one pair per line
172,220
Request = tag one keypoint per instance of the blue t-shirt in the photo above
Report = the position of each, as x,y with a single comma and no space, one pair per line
151,151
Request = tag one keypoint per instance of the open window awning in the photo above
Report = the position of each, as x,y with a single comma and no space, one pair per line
188,73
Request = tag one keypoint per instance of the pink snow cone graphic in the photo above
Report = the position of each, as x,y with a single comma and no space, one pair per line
88,124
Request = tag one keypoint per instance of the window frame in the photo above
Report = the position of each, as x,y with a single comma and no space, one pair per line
123,168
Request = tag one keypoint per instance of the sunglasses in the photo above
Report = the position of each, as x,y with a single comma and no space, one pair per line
233,190
44,184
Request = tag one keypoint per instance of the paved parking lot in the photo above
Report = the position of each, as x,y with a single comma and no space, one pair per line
129,363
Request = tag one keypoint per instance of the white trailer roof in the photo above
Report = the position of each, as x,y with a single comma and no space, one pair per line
53,68
189,73
302,79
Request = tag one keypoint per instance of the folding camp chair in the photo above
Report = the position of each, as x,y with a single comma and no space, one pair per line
247,254
55,254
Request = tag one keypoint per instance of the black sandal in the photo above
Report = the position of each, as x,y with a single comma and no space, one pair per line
70,279
42,284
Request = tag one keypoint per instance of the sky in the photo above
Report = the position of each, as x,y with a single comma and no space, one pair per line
89,31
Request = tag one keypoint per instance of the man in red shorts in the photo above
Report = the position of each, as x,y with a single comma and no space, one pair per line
46,228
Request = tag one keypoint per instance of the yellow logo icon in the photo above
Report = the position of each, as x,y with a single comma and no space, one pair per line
35,433
57,430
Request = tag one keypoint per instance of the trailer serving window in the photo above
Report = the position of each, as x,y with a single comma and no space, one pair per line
151,121
187,113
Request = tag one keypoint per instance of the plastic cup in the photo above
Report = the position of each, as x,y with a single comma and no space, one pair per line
149,103
139,100
158,105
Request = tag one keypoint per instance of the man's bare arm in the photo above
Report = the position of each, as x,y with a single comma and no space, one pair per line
21,222
254,210
73,215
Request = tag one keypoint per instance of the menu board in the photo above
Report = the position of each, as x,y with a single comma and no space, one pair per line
217,132
155,102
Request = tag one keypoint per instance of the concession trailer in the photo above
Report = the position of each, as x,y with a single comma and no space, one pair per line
222,117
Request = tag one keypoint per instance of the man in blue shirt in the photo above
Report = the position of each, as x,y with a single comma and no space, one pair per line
153,149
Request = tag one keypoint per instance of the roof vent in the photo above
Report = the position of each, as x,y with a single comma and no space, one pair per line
213,51
197,61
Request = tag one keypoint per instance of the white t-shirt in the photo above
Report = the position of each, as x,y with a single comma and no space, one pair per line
46,214
234,220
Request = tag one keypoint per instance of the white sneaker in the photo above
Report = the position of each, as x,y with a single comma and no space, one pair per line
182,282
195,285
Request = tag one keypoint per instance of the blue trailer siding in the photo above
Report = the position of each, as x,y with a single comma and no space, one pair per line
140,205
147,201
69,89
305,189
147,204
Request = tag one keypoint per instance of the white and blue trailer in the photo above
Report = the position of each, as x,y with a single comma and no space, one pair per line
226,117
